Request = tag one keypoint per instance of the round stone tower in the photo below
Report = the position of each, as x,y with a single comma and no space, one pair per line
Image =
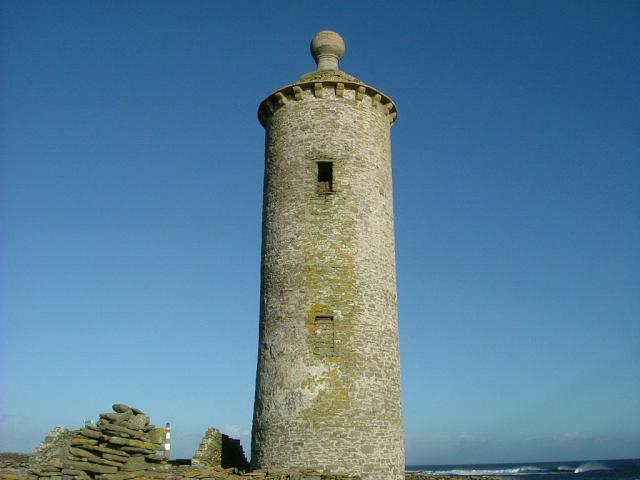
328,378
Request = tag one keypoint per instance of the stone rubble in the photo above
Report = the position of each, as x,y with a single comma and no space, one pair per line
14,461
122,445
219,473
190,473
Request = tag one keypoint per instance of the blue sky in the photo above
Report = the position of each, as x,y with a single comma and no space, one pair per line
131,165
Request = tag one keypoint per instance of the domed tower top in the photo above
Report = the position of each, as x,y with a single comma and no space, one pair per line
327,48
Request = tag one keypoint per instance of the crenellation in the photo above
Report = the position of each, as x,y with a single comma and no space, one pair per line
281,98
330,90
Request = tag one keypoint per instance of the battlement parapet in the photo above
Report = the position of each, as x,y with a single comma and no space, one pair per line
336,90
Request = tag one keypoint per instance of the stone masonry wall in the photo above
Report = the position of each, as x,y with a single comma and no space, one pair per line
328,380
209,452
47,460
217,449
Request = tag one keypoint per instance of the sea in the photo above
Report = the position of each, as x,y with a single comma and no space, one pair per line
573,470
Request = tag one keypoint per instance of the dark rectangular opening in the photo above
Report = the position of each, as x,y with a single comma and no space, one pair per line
325,177
325,336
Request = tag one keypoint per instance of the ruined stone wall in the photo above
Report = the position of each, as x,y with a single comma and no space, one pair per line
328,382
209,452
218,449
48,458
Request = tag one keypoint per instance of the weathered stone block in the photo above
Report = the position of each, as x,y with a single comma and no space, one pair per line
104,449
121,408
114,417
120,429
135,443
117,476
156,435
90,433
139,421
75,473
81,440
136,450
90,467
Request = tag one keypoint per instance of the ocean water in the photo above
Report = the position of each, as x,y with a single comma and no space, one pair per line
573,470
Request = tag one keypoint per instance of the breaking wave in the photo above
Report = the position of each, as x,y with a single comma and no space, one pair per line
524,470
590,467
519,470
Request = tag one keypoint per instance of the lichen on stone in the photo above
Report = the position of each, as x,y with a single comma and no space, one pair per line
325,75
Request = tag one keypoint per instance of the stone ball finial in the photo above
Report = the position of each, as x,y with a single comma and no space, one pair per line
327,48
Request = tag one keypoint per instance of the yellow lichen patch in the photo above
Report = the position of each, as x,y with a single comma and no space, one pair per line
316,309
9,476
330,286
192,473
328,407
342,395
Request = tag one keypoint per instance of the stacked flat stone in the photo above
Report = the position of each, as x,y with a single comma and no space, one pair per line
122,445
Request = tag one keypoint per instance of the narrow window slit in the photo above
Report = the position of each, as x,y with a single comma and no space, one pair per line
325,177
325,336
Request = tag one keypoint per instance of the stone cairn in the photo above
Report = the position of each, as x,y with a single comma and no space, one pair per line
123,445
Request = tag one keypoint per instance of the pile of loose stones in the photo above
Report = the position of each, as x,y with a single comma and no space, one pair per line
122,445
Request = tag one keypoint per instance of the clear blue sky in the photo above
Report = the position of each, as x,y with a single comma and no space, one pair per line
130,202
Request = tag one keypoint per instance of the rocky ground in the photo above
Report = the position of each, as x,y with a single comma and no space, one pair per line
13,461
125,445
14,466
419,476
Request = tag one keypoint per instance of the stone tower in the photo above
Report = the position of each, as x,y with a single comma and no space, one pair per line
328,378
